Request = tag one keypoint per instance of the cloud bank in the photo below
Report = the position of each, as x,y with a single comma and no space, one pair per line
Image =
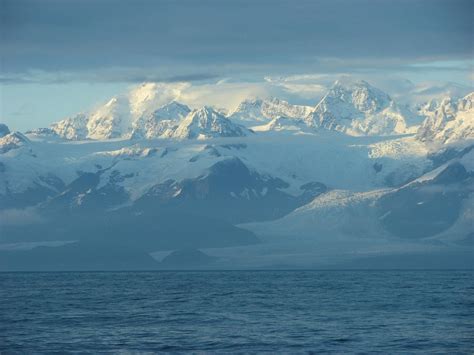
146,40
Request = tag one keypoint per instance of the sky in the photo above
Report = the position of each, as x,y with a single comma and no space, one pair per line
60,57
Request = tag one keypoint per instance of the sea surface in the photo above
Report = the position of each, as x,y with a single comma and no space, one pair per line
238,311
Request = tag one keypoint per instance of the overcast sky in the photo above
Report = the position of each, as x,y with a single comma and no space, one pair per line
62,56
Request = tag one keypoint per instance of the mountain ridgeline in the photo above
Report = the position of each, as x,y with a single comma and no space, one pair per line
266,184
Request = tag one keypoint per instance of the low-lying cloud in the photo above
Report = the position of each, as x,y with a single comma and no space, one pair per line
18,217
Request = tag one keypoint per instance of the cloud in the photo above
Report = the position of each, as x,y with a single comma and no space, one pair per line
228,93
304,86
223,93
103,75
16,217
321,71
470,75
303,89
225,38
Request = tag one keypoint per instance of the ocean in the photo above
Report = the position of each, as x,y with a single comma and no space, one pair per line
238,311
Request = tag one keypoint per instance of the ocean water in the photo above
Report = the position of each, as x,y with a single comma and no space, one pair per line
238,311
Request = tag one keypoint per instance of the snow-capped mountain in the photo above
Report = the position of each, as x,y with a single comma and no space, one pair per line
171,111
352,107
161,122
254,112
141,111
12,140
448,121
157,174
298,160
206,123
423,208
116,119
357,108
24,178
112,120
72,128
142,107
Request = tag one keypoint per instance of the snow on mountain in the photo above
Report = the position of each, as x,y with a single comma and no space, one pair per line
357,108
282,124
124,113
13,140
149,97
448,121
116,119
423,208
113,120
330,215
277,148
150,128
145,107
205,123
25,180
326,177
294,158
353,107
72,128
230,190
160,122
143,114
272,176
466,103
171,111
43,134
258,111
429,107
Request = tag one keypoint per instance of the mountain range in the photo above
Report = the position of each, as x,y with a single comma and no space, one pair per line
352,179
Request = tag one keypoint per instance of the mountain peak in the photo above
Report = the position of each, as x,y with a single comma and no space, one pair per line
207,109
174,103
173,110
467,102
360,94
206,122
111,120
72,128
451,121
357,108
13,140
205,114
160,122
257,111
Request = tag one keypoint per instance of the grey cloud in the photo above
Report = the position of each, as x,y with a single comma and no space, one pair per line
329,67
128,75
280,35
